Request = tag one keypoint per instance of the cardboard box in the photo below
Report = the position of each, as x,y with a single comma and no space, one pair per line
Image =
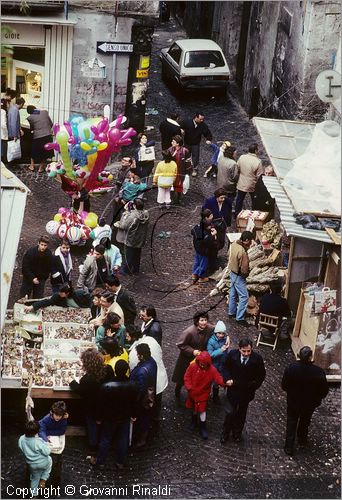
259,218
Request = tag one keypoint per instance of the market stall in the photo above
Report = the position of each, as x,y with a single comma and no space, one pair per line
311,222
42,351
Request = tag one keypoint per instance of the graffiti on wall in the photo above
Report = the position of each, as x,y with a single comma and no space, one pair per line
90,97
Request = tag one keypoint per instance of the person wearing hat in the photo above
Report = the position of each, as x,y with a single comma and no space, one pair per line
218,348
306,385
198,378
217,153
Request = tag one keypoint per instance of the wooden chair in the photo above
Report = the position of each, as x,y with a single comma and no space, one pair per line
272,324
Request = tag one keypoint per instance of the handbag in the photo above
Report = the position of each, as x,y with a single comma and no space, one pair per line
325,300
13,150
186,183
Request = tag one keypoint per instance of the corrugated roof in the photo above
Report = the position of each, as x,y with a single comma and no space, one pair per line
284,141
286,210
13,201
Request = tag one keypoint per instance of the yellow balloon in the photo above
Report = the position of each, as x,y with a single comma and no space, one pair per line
85,146
91,220
91,161
110,177
102,146
57,217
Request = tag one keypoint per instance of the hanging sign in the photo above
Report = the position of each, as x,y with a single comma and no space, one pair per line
142,73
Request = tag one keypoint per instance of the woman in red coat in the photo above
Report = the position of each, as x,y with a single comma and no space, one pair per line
181,156
198,379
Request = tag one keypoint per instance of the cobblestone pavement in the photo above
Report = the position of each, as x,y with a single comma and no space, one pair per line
176,457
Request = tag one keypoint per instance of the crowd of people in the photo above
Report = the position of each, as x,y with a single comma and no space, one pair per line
124,373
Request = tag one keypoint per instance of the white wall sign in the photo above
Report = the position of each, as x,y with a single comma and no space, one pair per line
93,68
328,85
24,34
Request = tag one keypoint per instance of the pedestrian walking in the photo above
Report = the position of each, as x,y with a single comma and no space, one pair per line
250,169
181,156
205,244
228,172
145,375
40,126
141,337
244,372
36,268
117,405
198,379
238,267
37,456
164,177
134,225
61,266
192,341
194,129
218,348
217,153
168,129
4,130
13,119
144,157
306,385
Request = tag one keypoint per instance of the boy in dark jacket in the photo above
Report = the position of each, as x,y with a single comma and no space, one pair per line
36,268
205,243
55,422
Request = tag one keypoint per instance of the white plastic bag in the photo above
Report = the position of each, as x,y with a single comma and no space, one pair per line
186,183
13,150
147,154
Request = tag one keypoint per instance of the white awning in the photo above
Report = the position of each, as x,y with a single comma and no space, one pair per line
57,19
284,141
13,202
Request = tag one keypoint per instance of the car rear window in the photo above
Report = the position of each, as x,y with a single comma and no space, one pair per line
203,59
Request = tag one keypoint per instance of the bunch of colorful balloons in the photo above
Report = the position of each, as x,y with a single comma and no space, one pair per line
72,226
84,146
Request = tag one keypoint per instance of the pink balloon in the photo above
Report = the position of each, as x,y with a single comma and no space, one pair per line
68,127
128,133
114,135
103,125
55,128
102,137
63,211
52,145
118,121
125,142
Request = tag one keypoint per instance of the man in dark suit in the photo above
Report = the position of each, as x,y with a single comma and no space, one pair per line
125,301
151,325
244,373
306,385
194,128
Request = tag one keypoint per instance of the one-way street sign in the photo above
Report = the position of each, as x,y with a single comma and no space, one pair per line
114,47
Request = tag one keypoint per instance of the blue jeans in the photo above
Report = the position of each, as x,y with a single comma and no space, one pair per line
238,298
200,265
108,429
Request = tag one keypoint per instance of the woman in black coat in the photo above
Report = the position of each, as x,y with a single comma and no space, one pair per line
96,373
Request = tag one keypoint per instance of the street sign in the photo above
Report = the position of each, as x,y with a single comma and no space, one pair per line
328,85
114,47
142,73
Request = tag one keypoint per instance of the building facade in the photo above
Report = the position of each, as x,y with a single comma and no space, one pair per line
76,57
275,50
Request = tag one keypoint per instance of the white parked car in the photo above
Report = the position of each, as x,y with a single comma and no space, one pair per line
195,63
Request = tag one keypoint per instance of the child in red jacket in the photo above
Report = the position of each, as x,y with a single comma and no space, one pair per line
198,379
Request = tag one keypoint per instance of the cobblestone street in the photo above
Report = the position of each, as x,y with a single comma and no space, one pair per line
176,456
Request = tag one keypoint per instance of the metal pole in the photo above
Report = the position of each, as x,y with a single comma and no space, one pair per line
113,88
